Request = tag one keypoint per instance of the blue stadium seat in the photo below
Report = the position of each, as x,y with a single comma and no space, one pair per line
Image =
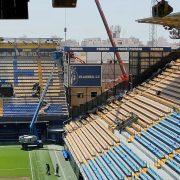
174,165
172,135
165,139
54,108
153,174
29,109
103,168
133,155
170,126
95,169
112,167
120,163
86,171
176,115
144,176
150,147
14,109
177,158
173,120
127,160
159,144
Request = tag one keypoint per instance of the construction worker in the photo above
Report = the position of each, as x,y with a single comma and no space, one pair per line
35,86
158,93
48,169
57,170
36,90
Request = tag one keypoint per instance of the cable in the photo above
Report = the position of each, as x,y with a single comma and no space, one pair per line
65,26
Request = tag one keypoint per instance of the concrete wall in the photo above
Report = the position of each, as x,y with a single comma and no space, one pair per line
76,101
108,71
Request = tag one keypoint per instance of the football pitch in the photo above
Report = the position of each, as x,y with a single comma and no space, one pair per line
16,164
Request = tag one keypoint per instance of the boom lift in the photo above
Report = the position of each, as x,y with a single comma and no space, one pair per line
32,139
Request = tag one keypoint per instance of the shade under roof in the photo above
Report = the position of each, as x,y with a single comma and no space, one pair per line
172,20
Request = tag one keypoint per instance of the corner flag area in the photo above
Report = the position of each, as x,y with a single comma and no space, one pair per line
16,164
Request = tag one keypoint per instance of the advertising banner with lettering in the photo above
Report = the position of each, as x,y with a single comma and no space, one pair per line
116,49
85,76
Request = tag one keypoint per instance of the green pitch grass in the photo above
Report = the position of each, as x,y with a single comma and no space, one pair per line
16,164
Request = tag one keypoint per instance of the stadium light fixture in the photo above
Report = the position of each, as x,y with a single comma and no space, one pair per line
14,9
64,3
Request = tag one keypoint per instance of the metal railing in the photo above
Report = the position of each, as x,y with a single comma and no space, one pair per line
153,70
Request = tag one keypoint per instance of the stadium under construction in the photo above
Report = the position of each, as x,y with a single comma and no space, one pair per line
61,112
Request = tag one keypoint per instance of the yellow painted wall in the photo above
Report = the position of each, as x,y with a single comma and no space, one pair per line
75,101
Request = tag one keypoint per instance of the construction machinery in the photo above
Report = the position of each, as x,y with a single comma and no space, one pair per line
9,6
124,76
33,140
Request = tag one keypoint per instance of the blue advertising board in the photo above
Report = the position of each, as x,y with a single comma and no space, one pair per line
85,76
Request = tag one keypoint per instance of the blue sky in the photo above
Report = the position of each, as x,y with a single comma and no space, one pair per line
84,21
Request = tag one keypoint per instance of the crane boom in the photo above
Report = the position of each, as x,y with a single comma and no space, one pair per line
33,139
35,117
111,38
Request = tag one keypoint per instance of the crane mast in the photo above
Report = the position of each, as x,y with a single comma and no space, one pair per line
125,76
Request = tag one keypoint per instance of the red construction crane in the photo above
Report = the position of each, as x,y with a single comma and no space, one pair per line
124,76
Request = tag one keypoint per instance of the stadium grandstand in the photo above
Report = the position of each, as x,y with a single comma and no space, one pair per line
129,131
99,143
135,136
22,65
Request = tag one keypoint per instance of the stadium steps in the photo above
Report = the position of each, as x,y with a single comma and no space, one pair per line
147,156
118,163
162,140
147,108
94,138
1,107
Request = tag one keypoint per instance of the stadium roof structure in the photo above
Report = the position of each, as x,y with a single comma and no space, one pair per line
172,20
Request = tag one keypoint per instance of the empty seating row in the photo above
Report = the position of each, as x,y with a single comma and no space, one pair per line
23,72
90,139
157,129
30,108
161,139
173,165
117,163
